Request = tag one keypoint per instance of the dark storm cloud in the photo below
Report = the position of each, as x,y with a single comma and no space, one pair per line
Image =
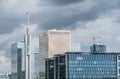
59,17
56,17
63,2
59,21
9,23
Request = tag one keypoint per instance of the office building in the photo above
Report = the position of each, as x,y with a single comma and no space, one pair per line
18,60
36,62
53,42
22,61
49,64
98,48
5,76
84,65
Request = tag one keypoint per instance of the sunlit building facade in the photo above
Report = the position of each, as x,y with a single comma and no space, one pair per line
53,42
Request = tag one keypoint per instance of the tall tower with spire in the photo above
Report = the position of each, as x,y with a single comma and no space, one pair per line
28,62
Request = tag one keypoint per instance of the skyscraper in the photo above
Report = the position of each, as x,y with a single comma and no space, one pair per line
18,60
29,59
23,57
22,61
36,62
53,42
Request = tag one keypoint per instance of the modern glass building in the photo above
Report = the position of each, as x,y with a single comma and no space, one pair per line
49,63
83,65
97,48
5,76
36,62
18,61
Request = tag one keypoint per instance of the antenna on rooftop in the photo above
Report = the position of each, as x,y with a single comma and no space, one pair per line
28,18
28,22
94,38
94,41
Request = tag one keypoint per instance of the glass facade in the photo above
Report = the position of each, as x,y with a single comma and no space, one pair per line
4,77
18,61
55,68
98,48
36,64
62,67
49,70
85,65
92,66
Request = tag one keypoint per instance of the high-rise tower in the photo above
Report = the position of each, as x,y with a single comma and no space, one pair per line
51,43
17,60
22,54
28,65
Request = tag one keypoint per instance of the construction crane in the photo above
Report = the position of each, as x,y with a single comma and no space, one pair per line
94,38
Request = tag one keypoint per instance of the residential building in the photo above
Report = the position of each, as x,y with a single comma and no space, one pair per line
84,65
53,42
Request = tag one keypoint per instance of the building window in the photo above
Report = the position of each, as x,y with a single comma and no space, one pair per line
119,64
79,58
118,57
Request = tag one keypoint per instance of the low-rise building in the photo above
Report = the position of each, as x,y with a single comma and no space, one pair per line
84,65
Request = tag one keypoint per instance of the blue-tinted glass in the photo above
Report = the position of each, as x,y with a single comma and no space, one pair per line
92,66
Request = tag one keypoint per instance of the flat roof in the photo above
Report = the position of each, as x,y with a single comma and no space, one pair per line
92,53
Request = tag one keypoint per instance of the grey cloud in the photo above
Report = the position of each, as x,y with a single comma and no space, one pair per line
55,17
9,23
62,16
63,2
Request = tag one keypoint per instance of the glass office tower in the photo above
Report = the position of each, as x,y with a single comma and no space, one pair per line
18,60
97,48
36,62
49,64
5,76
86,65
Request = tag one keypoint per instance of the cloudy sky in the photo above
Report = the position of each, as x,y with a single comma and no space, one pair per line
83,17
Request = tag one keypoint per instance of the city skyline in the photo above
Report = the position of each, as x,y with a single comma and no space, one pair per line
82,17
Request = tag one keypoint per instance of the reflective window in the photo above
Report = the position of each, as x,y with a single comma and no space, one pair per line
92,66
